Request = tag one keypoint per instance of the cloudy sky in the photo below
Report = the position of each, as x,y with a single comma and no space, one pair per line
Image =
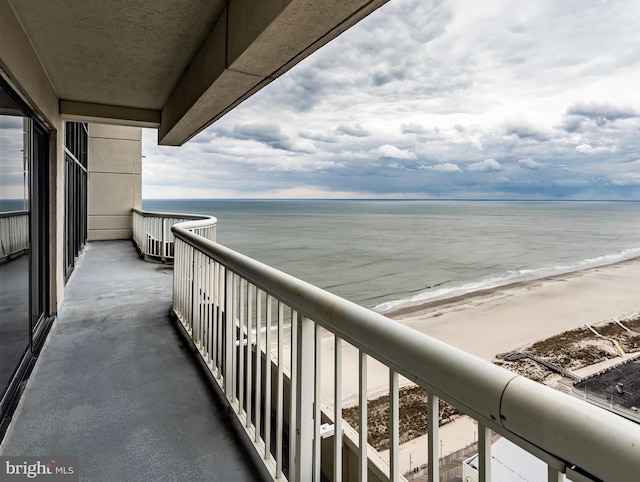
435,99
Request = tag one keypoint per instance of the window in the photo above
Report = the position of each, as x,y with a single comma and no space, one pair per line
76,140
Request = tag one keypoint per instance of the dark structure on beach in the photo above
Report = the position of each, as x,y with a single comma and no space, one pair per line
616,388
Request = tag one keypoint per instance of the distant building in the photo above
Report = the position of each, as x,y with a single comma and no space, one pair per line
509,463
616,389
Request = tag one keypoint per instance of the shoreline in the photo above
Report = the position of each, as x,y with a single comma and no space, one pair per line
415,308
492,321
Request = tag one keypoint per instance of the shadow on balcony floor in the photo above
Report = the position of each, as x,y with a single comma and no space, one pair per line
116,386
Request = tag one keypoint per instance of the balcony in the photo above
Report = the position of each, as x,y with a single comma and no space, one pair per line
236,386
121,390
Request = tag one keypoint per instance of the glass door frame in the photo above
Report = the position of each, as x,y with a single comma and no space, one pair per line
37,144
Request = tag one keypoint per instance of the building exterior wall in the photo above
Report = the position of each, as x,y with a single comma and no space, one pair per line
115,180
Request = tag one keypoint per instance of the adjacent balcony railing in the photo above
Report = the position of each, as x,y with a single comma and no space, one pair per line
259,332
14,233
152,232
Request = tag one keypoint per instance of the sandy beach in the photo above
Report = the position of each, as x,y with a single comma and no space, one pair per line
498,320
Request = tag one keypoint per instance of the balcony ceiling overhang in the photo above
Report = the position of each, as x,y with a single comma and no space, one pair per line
176,65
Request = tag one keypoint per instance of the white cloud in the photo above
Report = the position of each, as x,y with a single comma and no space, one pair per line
485,166
588,149
393,152
445,167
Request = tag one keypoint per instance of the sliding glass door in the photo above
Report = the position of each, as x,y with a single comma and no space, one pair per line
39,227
24,242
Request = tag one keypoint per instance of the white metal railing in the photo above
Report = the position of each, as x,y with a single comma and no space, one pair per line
252,324
14,233
152,231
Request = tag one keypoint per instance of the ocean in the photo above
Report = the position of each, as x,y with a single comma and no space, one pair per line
386,255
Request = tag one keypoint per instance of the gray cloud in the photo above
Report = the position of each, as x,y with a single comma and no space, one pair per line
582,115
487,165
264,132
445,167
412,128
354,130
601,112
441,99
529,163
526,131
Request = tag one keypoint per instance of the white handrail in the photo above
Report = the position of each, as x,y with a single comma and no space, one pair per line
152,231
211,287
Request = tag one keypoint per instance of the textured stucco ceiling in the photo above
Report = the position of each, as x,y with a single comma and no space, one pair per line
117,52
177,65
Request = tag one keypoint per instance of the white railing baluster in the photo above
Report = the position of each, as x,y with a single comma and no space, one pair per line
258,386
202,296
189,299
202,270
362,417
240,351
394,426
249,381
279,394
147,230
293,393
235,287
206,327
221,322
229,325
195,304
268,389
211,287
304,400
484,453
433,428
163,251
204,330
337,404
197,329
317,400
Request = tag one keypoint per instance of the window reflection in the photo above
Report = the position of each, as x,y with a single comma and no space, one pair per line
14,236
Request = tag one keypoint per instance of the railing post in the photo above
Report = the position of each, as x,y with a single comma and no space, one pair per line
196,298
363,461
304,437
433,427
484,453
337,417
229,327
394,426
163,249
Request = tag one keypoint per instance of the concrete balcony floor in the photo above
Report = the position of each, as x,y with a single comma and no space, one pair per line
116,386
